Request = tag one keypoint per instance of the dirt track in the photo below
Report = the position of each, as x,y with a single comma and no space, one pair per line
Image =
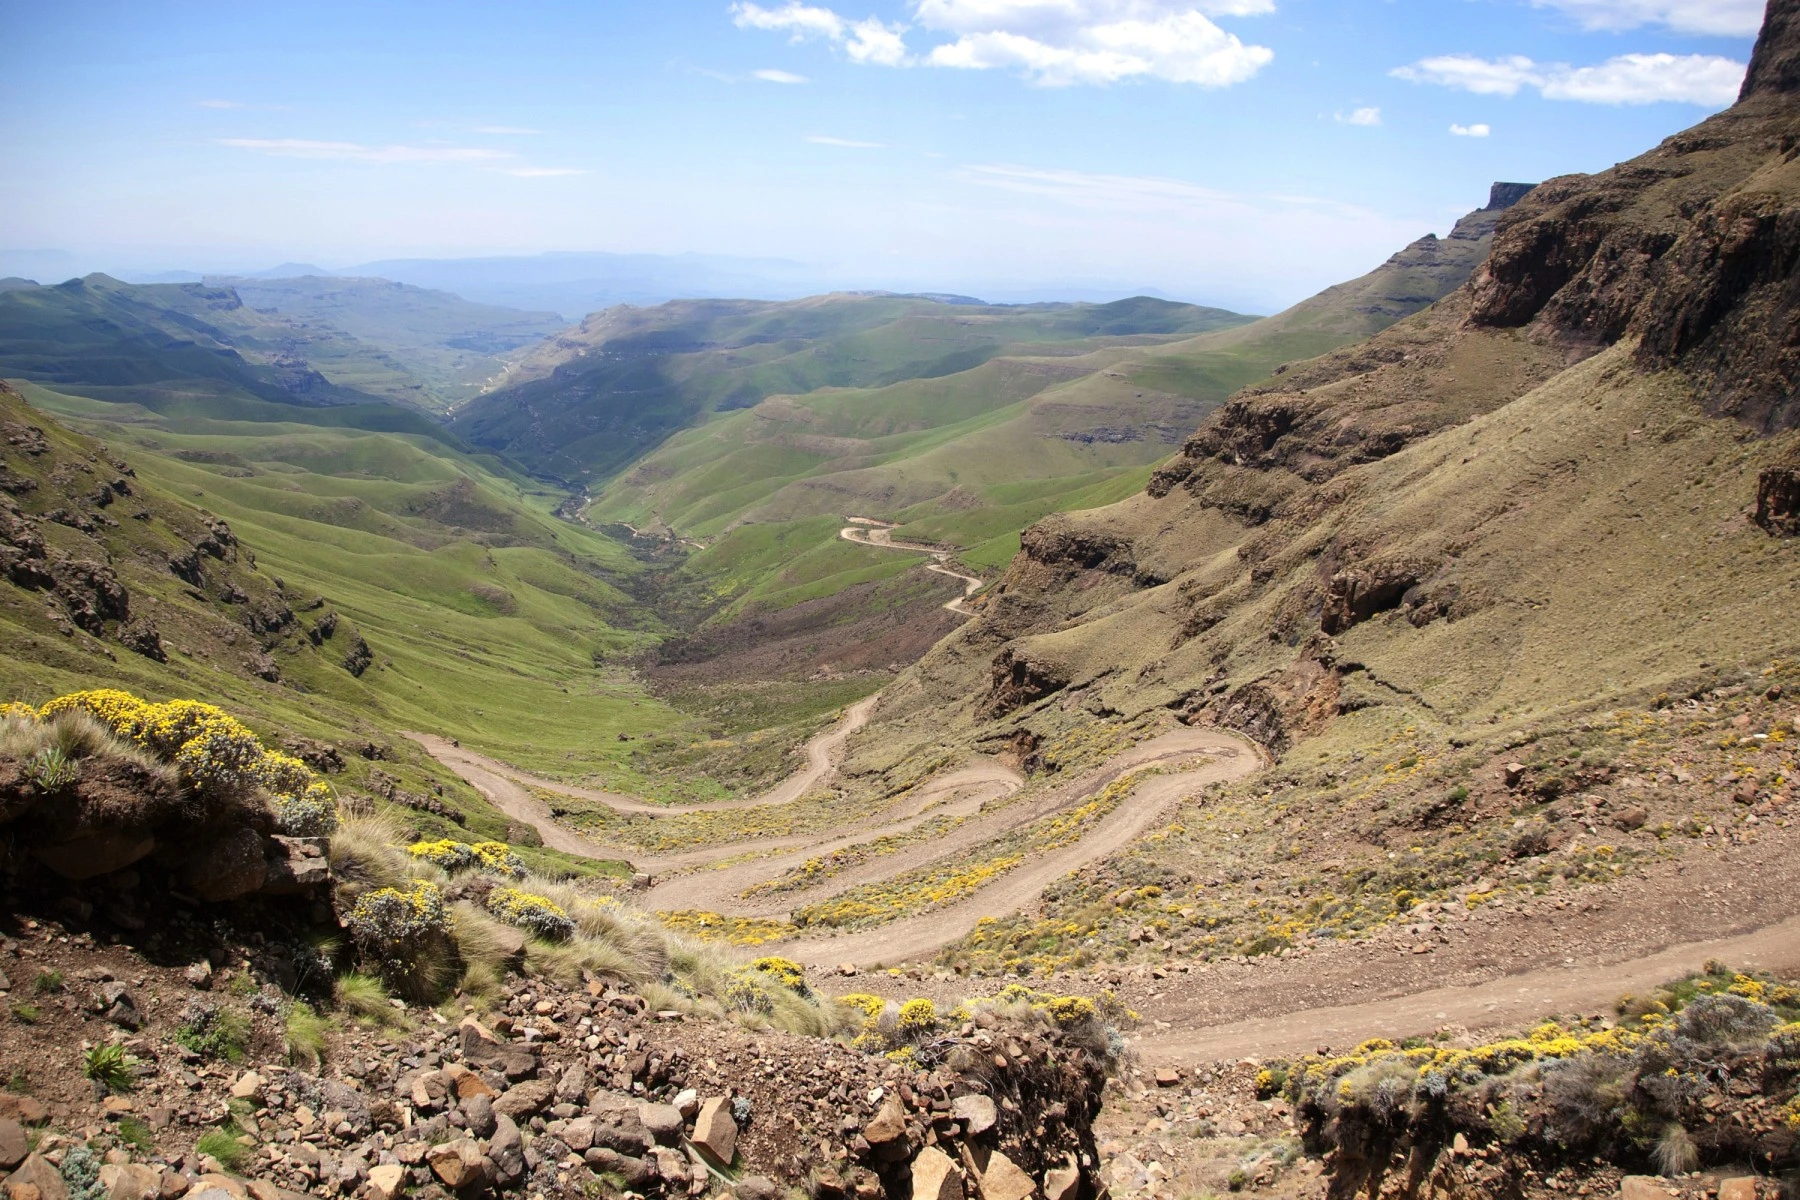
867,531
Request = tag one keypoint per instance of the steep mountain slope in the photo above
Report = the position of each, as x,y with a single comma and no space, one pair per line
451,345
1505,526
594,399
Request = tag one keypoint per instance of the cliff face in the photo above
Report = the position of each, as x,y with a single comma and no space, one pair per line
1690,249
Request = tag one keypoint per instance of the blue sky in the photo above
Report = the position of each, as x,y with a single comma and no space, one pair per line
1244,152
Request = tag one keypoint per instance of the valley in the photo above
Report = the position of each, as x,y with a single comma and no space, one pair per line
884,746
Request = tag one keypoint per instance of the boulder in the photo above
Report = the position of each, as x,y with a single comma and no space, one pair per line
295,865
637,1174
262,1189
976,1113
1644,1187
94,854
757,1187
506,1149
1001,1179
478,1111
482,1049
246,1086
227,867
662,1121
620,1129
26,1110
14,1145
935,1177
671,1167
1064,1183
572,1087
459,1164
715,1132
37,1173
386,1180
198,974
888,1125
578,1134
1740,1187
524,1099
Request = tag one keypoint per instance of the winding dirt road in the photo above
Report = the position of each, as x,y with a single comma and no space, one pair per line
867,531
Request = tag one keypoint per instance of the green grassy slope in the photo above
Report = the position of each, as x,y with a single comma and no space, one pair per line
591,401
451,345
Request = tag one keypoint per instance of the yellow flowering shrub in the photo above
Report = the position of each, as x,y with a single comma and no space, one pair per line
918,1016
717,927
453,856
538,914
391,923
785,971
120,710
12,710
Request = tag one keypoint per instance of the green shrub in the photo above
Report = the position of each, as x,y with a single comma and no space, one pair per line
306,1031
110,1067
53,770
214,1032
47,982
224,1146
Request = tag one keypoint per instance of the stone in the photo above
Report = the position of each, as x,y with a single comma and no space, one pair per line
524,1099
687,1103
935,1177
1739,1187
14,1145
481,1048
262,1189
214,1181
430,1090
26,1110
578,1134
620,1129
174,1184
1064,1183
572,1088
458,1164
848,970
976,1113
506,1148
1002,1179
715,1133
1630,819
95,854
295,866
888,1126
1168,1077
1643,1187
671,1165
662,1121
386,1181
246,1086
37,1174
228,866
1513,774
116,1106
757,1187
637,1174
199,974
478,1111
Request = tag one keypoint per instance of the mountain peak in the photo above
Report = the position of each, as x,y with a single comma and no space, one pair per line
1775,63
1505,195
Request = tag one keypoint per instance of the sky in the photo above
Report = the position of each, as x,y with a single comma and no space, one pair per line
1238,152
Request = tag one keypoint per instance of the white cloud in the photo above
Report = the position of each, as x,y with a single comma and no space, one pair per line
1052,42
1149,194
819,139
221,104
355,152
1704,79
1727,18
1471,131
544,172
773,75
865,41
1359,116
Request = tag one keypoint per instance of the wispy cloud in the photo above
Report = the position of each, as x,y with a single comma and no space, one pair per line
1727,18
356,152
515,130
544,172
776,75
1704,79
820,139
1143,194
221,104
1359,116
1471,131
